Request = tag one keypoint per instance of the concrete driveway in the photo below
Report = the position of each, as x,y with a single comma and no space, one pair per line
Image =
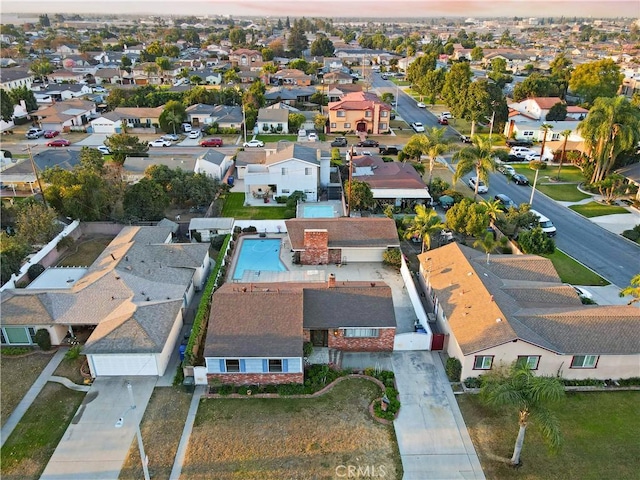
432,437
93,140
92,447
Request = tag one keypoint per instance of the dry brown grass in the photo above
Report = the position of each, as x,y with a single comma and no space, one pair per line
290,438
85,251
70,368
161,429
18,374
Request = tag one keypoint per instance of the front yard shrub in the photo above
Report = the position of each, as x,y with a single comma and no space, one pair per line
73,353
629,382
291,389
438,186
307,349
453,369
392,257
15,350
226,389
473,382
43,339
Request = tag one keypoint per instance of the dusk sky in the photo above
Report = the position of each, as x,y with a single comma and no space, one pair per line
342,9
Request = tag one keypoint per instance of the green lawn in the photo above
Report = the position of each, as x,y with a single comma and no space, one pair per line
29,448
568,173
563,192
573,272
234,208
594,209
275,138
13,387
599,430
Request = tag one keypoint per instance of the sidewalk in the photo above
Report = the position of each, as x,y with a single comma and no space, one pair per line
186,433
31,394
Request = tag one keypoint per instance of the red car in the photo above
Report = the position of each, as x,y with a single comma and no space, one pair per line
51,133
443,121
61,142
211,142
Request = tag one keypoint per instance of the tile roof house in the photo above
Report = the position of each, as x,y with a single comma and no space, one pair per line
322,241
65,115
515,308
131,300
140,117
360,112
256,332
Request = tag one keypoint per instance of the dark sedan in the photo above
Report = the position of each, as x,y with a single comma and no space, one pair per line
368,143
520,179
339,142
389,150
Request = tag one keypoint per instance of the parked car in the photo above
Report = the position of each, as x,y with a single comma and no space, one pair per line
443,121
520,152
465,139
512,158
195,134
51,133
253,143
421,105
512,142
583,293
35,133
186,127
368,143
389,150
417,127
507,170
532,156
160,142
546,225
312,137
103,149
482,188
172,137
446,115
59,142
520,179
211,142
505,202
339,142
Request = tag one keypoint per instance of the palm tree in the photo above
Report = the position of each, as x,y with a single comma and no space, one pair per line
611,127
565,134
478,157
530,394
425,224
434,145
492,208
488,243
545,127
632,289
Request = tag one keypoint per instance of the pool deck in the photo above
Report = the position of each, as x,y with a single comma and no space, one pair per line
335,205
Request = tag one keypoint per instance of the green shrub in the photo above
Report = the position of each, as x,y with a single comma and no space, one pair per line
226,389
392,257
586,382
473,382
217,241
249,229
291,389
15,350
43,339
35,271
629,382
307,348
73,353
453,369
65,242
632,235
178,378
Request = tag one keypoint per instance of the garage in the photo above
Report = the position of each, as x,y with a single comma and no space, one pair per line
119,365
361,255
106,125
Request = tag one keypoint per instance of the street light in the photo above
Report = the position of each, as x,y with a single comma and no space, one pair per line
120,423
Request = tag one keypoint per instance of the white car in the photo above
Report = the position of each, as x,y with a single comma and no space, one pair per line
160,142
253,143
313,137
194,134
103,149
583,293
421,105
417,127
532,156
507,170
482,188
172,137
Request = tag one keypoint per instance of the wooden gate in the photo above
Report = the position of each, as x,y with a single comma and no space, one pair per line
437,341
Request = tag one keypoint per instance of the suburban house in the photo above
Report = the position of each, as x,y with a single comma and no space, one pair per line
323,241
109,123
256,331
20,176
213,164
273,120
289,168
537,108
391,183
66,91
244,57
632,174
112,75
226,116
66,76
208,227
130,302
360,112
247,157
200,114
141,117
338,78
290,76
15,77
65,115
290,95
532,130
134,167
515,308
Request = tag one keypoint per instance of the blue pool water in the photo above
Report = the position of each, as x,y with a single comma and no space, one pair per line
258,255
318,211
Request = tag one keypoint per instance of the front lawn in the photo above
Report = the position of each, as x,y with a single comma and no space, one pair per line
276,438
234,208
85,252
276,138
161,429
595,209
568,173
573,272
17,375
563,192
29,448
599,431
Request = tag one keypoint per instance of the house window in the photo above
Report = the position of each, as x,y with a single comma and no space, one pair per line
384,113
334,125
584,361
531,361
285,190
362,332
308,171
17,335
347,125
275,365
284,171
527,133
483,362
555,136
367,114
232,366
341,113
383,126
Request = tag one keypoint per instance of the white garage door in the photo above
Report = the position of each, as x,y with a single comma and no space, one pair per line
131,365
102,127
361,255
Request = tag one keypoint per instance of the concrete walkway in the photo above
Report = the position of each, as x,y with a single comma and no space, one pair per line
432,436
69,384
31,394
186,433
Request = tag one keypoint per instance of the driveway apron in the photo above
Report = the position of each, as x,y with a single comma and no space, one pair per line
432,438
92,447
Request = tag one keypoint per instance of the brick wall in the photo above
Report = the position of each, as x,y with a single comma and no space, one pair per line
316,248
335,255
257,378
384,342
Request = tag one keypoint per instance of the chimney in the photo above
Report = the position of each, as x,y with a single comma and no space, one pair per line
332,281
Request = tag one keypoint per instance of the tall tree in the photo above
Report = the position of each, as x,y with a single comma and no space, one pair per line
41,67
611,127
435,143
420,66
359,195
431,84
561,70
297,41
424,224
519,388
565,134
535,85
13,250
123,145
557,113
36,222
601,78
174,114
322,46
487,243
544,128
145,200
477,105
456,85
6,106
478,157
23,93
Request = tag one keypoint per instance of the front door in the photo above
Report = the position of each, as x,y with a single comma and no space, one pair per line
320,338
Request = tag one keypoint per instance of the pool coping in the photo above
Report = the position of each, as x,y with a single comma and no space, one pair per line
251,236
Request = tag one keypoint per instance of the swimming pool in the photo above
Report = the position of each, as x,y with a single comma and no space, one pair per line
258,254
318,211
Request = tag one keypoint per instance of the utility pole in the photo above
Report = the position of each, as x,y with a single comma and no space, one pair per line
244,123
35,172
350,181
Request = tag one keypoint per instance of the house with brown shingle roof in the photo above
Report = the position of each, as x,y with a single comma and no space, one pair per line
359,112
322,241
64,115
256,332
515,308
